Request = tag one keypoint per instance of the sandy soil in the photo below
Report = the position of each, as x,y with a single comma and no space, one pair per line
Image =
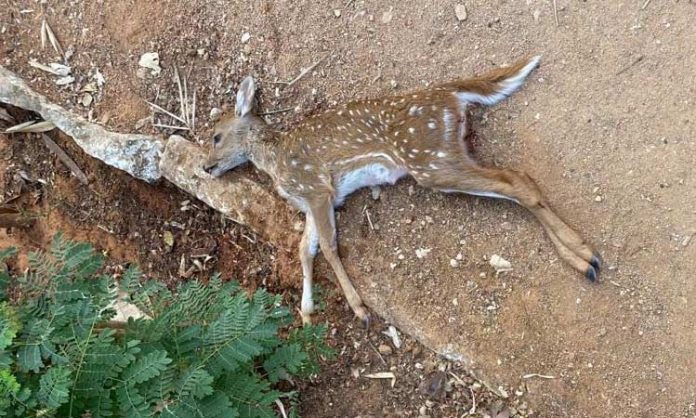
606,126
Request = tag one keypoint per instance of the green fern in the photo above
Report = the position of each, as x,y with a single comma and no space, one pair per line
205,350
54,387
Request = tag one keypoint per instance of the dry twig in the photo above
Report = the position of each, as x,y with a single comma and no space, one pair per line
187,107
65,158
307,70
555,12
47,32
638,59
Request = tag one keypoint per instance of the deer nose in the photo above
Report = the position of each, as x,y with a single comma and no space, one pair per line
208,168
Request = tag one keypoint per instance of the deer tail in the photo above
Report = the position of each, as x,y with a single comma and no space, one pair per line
495,86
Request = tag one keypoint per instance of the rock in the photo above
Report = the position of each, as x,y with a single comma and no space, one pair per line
215,114
375,192
337,12
394,334
499,263
387,16
384,349
434,386
138,155
246,37
86,100
422,252
460,12
151,61
454,263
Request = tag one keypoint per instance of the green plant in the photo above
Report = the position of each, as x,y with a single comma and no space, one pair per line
206,350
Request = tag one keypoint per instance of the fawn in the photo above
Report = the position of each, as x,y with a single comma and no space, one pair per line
372,142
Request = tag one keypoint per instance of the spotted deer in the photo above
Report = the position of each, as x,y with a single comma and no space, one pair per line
378,141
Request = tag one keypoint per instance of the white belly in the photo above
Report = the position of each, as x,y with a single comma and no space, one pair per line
365,176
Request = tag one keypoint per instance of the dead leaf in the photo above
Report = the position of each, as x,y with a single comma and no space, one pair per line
31,126
64,81
151,61
168,239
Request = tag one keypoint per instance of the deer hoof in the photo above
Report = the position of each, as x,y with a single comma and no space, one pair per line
596,261
591,274
364,317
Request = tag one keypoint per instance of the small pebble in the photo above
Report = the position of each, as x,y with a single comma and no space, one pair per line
460,12
422,252
598,198
246,37
454,263
337,12
375,192
387,17
215,114
384,349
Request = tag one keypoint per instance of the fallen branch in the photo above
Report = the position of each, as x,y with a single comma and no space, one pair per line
138,155
238,197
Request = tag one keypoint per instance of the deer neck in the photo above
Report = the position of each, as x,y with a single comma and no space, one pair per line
263,153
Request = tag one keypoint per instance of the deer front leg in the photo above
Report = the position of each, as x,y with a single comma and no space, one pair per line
323,214
308,249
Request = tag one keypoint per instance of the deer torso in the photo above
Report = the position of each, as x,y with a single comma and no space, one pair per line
366,143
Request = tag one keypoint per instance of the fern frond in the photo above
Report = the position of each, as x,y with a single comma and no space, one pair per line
130,280
131,403
145,368
29,353
7,253
194,382
199,353
9,325
54,387
285,361
8,390
252,396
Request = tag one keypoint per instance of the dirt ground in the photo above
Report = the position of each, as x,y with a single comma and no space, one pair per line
606,126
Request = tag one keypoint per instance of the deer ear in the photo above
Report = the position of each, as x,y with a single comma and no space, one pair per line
245,96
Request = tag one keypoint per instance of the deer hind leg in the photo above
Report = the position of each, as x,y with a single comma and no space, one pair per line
519,187
323,214
308,249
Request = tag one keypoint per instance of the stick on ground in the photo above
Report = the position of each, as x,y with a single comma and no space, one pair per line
65,158
306,70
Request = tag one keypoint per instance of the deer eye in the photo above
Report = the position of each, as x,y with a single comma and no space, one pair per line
216,139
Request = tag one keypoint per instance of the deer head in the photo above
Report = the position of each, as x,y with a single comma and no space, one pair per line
235,135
